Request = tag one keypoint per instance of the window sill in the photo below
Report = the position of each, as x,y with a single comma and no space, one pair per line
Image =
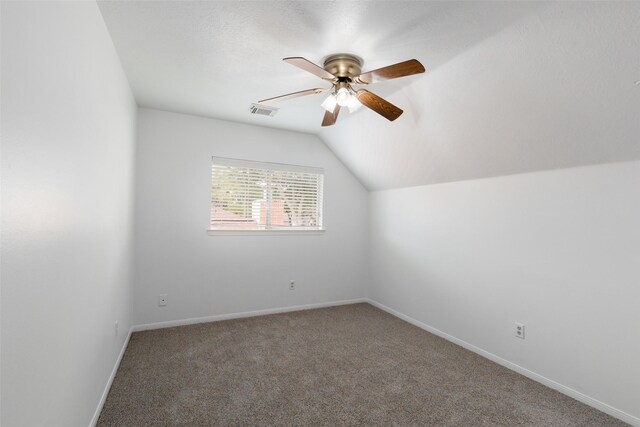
264,232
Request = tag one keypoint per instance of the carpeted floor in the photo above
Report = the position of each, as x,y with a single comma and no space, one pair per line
349,365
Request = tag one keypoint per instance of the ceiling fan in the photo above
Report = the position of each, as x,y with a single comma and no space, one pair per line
344,71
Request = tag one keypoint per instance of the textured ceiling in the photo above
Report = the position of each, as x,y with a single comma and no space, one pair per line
510,87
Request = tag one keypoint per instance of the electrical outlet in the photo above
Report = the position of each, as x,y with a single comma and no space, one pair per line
116,328
292,285
520,330
162,300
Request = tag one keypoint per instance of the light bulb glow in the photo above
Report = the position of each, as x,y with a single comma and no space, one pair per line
329,104
342,96
353,104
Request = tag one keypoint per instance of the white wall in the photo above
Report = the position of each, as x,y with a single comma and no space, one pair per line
68,132
557,250
210,275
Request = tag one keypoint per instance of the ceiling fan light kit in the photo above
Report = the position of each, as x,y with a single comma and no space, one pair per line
342,71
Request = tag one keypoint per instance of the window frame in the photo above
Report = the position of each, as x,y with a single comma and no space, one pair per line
272,166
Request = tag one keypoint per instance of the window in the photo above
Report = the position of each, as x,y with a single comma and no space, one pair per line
265,196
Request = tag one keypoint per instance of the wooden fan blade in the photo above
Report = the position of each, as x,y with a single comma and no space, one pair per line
330,118
401,69
309,67
379,105
292,95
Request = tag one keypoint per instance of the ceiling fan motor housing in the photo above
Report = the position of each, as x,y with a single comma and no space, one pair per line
343,66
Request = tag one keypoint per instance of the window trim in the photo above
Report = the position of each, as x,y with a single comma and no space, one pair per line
297,231
227,161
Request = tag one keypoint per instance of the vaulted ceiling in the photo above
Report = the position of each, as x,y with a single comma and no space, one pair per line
509,87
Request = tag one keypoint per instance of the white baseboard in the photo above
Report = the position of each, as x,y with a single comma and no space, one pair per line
218,317
601,406
614,412
105,393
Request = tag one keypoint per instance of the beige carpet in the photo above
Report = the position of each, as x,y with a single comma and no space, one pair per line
349,365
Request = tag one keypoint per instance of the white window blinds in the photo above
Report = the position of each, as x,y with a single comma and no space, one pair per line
249,195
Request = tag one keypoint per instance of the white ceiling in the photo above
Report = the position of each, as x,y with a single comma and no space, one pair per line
510,87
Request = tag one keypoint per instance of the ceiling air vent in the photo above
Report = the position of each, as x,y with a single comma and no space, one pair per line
263,110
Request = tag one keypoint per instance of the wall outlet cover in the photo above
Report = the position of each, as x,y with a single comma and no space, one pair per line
520,330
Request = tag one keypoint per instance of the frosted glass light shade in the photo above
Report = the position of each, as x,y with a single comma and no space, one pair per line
353,104
342,96
329,104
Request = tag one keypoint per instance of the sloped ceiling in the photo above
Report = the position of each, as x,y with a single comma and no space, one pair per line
509,88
